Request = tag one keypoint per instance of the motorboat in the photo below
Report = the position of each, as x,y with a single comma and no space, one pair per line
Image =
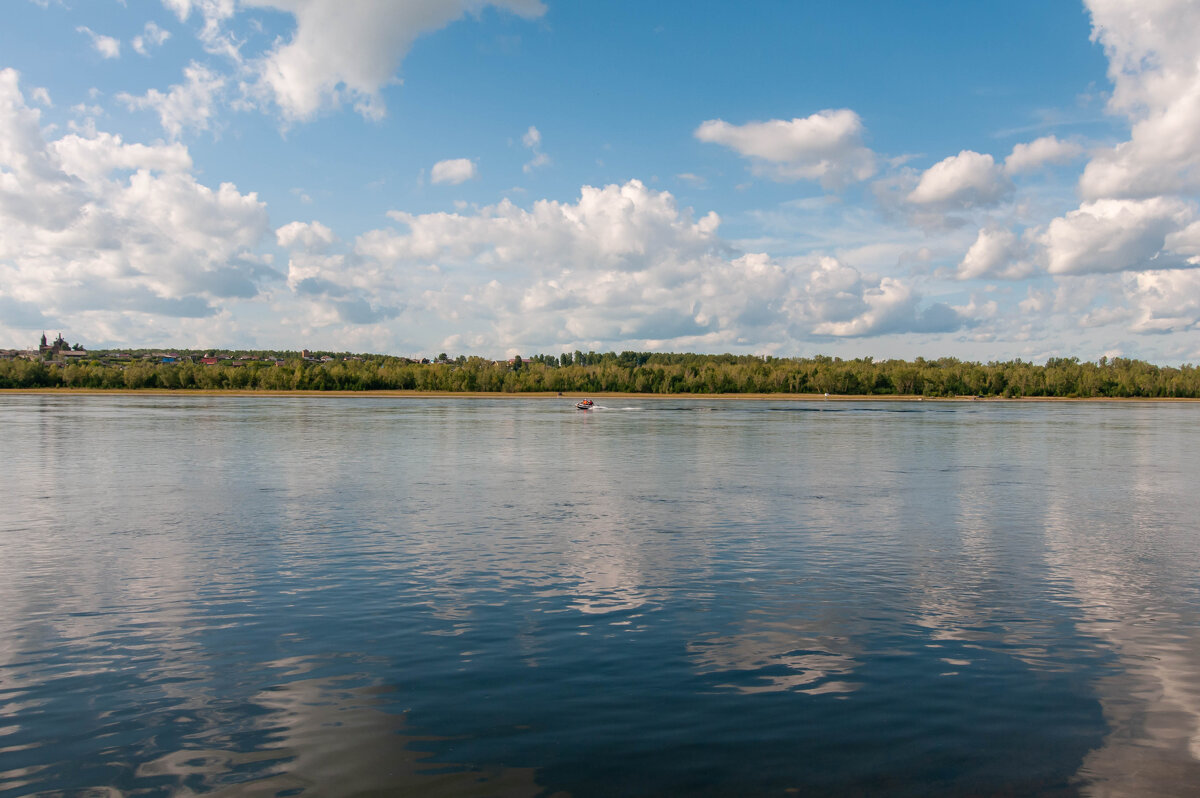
585,404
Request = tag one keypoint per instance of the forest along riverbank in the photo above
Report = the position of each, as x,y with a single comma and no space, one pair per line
628,372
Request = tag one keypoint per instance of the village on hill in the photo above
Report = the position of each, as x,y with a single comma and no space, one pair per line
61,352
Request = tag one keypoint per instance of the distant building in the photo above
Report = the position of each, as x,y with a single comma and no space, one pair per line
60,345
60,350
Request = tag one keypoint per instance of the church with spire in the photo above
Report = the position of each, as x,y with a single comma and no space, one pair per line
59,347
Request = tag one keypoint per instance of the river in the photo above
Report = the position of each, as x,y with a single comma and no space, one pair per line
337,596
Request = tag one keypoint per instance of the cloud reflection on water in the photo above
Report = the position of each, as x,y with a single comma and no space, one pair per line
329,739
1116,555
705,563
774,660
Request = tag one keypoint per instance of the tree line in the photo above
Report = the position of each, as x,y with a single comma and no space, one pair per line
637,372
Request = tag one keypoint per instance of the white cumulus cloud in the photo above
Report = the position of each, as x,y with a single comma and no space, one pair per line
996,253
1112,235
622,267
1151,49
90,224
1164,301
1139,209
347,52
839,301
967,180
1186,242
310,236
1033,155
615,226
453,171
151,36
106,46
186,105
826,146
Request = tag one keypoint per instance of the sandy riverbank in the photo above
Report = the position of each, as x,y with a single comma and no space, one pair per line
779,397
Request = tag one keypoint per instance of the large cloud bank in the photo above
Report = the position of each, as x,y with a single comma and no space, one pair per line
624,265
1137,218
94,225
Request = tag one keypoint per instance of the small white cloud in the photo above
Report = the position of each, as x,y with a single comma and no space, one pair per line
826,146
996,253
693,180
42,97
967,180
309,236
533,141
182,8
345,53
106,46
539,160
453,171
151,36
1048,149
82,109
186,105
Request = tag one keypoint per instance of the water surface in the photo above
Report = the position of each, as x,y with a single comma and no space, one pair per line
334,596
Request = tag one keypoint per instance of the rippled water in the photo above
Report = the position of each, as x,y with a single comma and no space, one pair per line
366,595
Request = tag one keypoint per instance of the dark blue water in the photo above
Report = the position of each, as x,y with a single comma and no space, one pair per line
260,596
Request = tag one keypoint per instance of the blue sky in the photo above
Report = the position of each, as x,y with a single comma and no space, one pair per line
983,180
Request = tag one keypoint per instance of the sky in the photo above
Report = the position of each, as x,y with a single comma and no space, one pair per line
987,181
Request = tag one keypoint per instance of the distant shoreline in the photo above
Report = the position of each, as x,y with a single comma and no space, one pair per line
786,397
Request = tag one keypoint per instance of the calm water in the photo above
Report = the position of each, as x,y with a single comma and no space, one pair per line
355,596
